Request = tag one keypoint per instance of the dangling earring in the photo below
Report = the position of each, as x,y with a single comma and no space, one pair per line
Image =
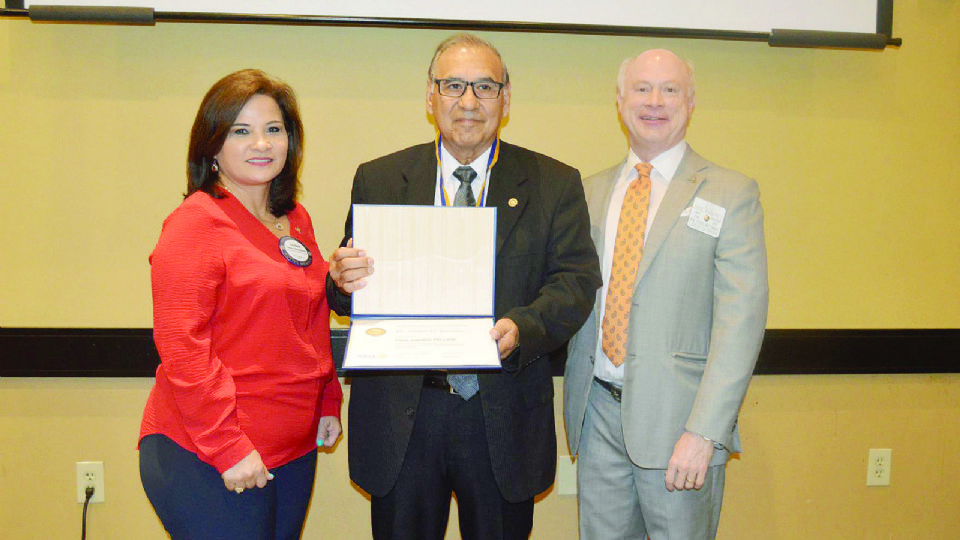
215,167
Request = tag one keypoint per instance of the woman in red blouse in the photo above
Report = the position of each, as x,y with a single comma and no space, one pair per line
246,389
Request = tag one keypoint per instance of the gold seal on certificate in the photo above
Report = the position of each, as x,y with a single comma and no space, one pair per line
376,331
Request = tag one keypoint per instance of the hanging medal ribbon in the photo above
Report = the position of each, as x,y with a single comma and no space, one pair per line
491,161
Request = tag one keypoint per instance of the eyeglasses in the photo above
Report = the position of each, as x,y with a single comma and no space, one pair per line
457,87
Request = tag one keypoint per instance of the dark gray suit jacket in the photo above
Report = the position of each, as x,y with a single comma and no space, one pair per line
547,274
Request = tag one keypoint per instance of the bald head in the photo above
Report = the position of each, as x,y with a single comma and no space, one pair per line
656,55
655,98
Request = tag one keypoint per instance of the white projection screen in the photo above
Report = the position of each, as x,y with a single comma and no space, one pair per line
696,18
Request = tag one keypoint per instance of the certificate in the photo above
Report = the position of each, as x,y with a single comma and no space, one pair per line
429,303
436,343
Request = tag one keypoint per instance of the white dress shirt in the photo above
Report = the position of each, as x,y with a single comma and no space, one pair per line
664,167
451,184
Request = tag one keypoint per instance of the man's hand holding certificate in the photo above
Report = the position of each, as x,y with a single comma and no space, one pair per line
430,302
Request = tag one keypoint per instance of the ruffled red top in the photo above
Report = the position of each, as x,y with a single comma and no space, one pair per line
243,337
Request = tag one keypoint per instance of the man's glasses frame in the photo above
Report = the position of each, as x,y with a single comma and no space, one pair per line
455,88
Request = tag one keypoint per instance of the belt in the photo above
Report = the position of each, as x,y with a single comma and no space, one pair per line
438,382
615,391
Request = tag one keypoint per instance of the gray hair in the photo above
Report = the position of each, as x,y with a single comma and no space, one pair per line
468,40
622,75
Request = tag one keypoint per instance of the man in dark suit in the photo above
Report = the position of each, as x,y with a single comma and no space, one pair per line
415,437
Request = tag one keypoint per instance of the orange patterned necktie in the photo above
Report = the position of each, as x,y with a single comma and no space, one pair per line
627,250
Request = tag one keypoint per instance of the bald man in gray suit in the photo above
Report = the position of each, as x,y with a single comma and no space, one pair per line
654,428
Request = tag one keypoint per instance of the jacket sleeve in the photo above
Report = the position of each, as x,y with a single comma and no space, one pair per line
571,278
739,318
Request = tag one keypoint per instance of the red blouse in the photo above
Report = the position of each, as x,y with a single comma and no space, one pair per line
243,336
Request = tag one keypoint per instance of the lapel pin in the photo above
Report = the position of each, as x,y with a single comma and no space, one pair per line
513,202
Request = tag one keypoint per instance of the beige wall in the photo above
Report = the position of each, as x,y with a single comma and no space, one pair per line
855,153
802,476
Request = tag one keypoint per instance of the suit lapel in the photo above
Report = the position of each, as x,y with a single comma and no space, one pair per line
598,215
508,186
685,184
508,192
420,177
600,197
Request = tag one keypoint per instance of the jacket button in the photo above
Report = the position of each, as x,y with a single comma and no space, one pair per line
410,412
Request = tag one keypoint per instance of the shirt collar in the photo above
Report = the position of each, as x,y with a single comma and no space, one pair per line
450,163
666,163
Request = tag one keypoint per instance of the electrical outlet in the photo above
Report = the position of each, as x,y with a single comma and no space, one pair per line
90,473
878,467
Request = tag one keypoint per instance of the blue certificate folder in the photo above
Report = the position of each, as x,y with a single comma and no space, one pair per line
429,303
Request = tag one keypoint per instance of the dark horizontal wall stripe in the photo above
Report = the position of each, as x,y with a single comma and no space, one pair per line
805,352
129,352
77,352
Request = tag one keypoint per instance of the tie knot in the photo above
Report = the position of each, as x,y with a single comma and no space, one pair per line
465,174
644,169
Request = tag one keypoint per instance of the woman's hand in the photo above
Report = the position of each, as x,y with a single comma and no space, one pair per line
328,431
249,472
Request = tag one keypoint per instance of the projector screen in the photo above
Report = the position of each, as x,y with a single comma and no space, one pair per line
752,16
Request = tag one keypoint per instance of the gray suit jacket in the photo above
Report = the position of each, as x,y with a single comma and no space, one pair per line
697,320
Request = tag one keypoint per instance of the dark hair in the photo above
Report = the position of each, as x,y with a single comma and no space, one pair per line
219,109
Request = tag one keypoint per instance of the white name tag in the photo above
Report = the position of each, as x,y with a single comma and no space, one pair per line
706,217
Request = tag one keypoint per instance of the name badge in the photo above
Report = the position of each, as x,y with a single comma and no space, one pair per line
295,252
706,217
